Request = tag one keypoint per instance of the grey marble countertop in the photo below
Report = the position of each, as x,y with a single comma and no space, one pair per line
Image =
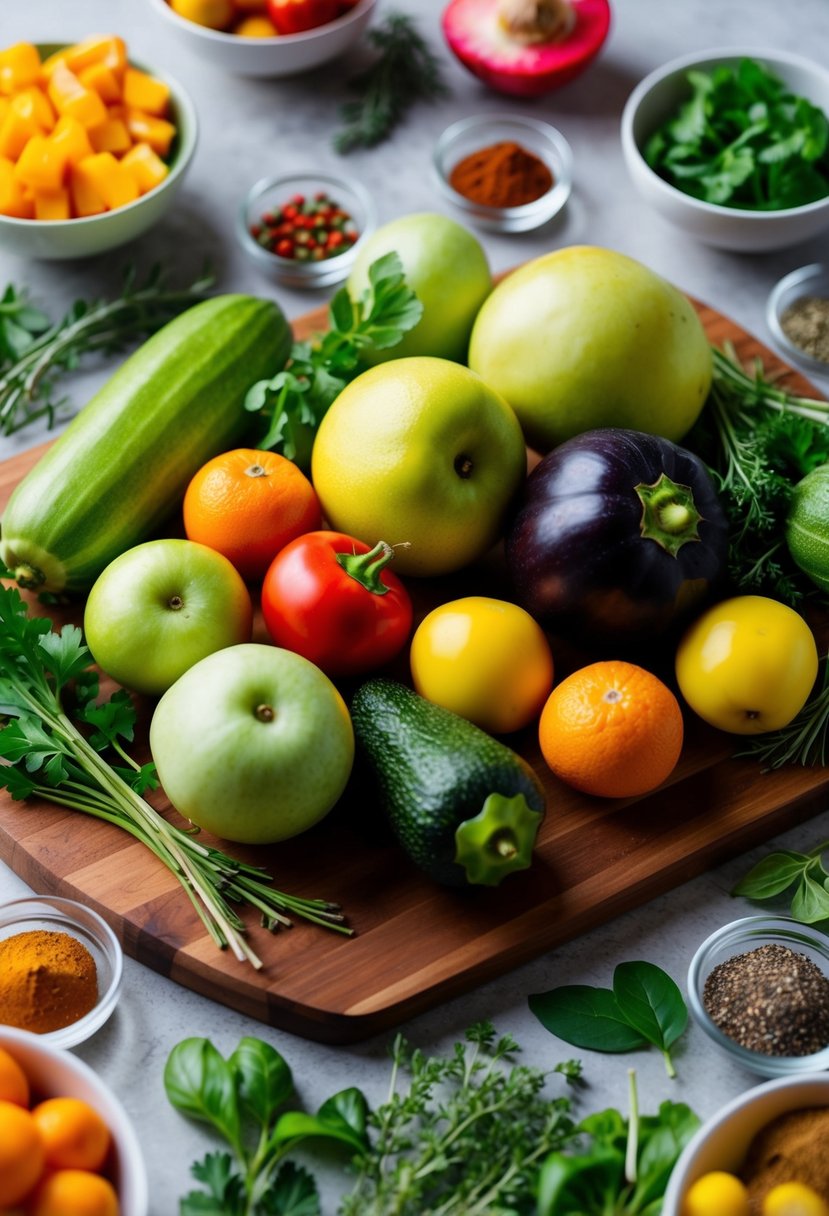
254,127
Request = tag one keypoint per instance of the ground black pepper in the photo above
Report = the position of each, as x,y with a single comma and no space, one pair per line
806,324
770,1000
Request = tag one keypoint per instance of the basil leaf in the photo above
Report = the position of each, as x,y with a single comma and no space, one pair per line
772,875
586,1017
200,1083
651,1002
589,1182
341,1118
810,902
661,1139
263,1078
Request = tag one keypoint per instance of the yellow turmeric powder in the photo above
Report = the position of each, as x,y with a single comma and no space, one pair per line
48,980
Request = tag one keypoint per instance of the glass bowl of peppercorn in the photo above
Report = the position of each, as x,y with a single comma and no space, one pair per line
304,229
797,314
60,969
505,173
759,987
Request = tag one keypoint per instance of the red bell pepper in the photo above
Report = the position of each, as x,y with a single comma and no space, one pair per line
333,600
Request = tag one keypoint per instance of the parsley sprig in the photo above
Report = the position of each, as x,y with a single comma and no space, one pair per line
294,402
44,754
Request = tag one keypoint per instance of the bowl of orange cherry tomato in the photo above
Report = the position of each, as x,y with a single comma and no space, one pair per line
265,37
66,1143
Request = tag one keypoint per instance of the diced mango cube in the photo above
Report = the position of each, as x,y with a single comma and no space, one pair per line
111,136
42,110
19,67
102,80
85,198
18,126
108,49
41,165
146,128
146,92
69,96
145,166
108,178
13,201
52,204
70,136
49,64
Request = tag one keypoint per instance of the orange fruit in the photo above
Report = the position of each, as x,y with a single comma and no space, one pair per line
74,1135
22,1155
247,505
14,1084
73,1193
611,729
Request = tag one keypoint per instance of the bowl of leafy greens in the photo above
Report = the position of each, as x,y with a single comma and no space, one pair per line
733,146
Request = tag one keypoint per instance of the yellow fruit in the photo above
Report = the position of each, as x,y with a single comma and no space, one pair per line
215,14
793,1199
256,27
716,1194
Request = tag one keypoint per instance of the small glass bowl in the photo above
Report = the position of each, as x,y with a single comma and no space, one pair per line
55,914
738,937
469,135
273,192
806,281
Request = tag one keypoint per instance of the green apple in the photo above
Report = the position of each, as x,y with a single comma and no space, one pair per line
253,743
447,268
159,608
585,337
420,453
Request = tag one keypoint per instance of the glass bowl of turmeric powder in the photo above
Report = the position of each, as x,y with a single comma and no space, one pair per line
505,173
60,968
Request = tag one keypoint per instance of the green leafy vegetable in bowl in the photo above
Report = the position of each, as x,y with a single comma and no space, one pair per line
744,140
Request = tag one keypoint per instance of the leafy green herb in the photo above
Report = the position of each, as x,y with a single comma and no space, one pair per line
758,441
645,1006
294,402
743,139
465,1136
33,350
806,738
47,756
802,874
624,1170
405,71
241,1098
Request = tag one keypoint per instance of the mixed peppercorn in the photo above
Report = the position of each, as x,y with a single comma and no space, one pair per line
306,228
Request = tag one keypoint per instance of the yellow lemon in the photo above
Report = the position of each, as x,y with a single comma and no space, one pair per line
794,1199
716,1194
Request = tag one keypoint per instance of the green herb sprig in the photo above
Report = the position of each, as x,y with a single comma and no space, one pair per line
405,71
292,404
644,1007
44,754
805,740
803,875
34,351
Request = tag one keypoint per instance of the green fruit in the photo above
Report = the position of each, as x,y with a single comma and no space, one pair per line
446,267
585,337
807,527
465,807
419,453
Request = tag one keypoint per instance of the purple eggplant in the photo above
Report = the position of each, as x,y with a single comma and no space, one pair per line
619,535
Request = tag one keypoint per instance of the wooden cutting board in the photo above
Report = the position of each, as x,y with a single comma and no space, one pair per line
415,943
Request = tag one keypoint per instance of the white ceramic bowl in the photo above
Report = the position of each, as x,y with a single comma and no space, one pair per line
53,1072
656,98
722,1141
285,55
93,234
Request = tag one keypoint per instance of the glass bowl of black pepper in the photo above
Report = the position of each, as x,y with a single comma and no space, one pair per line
506,173
797,315
759,987
304,229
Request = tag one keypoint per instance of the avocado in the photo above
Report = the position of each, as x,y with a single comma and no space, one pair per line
464,807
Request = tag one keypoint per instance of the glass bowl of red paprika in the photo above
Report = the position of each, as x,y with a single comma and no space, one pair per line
505,173
304,229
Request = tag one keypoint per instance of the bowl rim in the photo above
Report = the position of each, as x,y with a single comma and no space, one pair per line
756,1061
695,59
225,37
558,192
182,100
67,909
799,277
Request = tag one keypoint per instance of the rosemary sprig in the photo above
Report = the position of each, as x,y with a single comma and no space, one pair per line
405,71
33,350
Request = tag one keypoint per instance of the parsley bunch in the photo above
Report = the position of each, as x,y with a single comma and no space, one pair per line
62,759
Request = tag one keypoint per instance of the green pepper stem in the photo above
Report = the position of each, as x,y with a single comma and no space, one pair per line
366,568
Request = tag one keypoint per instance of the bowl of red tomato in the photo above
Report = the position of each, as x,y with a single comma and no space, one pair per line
265,37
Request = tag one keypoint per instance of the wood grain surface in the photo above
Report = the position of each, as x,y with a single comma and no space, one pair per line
415,944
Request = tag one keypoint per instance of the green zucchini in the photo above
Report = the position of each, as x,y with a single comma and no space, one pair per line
123,463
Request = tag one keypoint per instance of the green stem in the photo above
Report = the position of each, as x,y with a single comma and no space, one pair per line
632,1147
366,568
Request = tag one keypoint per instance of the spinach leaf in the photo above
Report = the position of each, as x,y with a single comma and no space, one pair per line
586,1017
263,1078
771,876
651,1002
200,1083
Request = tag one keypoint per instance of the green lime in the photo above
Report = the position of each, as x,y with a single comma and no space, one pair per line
807,527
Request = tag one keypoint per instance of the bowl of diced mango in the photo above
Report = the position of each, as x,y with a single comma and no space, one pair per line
93,147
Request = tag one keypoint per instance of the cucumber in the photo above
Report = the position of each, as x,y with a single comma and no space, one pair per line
124,462
807,526
465,807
